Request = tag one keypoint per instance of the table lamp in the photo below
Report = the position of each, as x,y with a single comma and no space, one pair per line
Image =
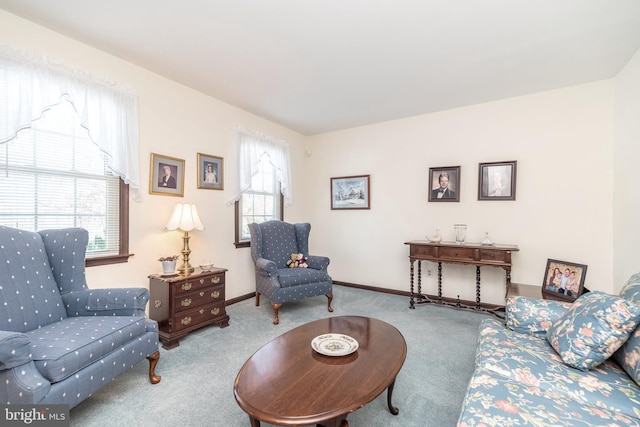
185,217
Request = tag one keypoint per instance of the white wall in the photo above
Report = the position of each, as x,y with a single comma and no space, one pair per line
175,121
626,248
563,142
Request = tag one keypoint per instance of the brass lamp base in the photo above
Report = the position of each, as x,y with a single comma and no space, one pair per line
186,267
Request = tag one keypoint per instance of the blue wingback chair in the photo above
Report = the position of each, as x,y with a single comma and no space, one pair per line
272,244
60,341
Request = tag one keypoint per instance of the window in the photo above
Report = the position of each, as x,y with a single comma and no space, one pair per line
52,176
262,202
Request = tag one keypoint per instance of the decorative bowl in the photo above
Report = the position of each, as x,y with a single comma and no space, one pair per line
206,267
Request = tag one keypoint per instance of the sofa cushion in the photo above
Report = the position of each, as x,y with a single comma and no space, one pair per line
31,298
532,362
631,289
595,326
533,316
63,348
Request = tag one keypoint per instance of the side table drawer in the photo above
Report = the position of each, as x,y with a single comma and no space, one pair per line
197,316
490,255
197,284
462,253
209,295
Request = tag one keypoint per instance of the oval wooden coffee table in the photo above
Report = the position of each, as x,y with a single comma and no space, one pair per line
288,383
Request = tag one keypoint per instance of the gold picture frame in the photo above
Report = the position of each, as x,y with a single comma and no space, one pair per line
166,176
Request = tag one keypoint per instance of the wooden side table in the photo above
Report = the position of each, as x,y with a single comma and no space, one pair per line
183,303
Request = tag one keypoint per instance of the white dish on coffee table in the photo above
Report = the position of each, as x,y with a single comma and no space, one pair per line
334,344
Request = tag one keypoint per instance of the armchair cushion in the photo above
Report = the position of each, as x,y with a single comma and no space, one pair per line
595,326
14,349
628,356
63,348
289,277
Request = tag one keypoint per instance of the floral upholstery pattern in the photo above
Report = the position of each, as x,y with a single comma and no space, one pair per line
520,380
595,326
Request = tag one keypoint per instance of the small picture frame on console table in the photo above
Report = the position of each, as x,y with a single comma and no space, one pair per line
563,280
497,181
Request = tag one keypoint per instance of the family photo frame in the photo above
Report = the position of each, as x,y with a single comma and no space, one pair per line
210,172
444,184
166,176
563,280
351,192
497,181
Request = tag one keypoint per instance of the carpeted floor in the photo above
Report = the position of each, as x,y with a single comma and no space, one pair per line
197,377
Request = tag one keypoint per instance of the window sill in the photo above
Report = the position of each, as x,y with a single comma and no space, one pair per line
106,260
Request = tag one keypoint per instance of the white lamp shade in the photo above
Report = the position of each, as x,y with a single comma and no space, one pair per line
185,217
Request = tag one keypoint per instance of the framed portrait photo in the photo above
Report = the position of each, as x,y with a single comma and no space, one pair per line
210,172
166,176
350,192
497,181
444,184
563,280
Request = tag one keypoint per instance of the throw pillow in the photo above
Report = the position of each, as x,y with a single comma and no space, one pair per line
595,326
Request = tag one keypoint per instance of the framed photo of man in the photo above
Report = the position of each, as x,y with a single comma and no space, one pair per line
166,176
563,280
210,172
497,181
444,184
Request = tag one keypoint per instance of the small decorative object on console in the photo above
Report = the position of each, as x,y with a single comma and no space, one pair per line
487,240
434,238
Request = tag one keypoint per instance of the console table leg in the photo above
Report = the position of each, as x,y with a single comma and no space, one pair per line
419,279
411,301
477,286
394,410
508,280
254,421
439,281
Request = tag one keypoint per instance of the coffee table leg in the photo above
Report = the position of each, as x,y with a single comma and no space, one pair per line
392,409
254,421
336,422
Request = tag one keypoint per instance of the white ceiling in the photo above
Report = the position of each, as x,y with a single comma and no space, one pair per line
321,65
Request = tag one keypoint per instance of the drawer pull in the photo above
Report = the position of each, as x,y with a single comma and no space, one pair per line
185,320
157,303
215,294
215,311
186,286
455,253
201,293
201,281
201,311
186,302
215,280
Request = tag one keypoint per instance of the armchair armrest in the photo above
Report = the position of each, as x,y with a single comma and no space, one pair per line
107,302
318,262
14,349
533,316
266,267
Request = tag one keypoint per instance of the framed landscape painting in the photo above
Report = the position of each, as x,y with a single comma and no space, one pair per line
350,192
563,280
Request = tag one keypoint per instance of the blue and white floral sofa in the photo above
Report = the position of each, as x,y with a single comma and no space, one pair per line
60,341
559,364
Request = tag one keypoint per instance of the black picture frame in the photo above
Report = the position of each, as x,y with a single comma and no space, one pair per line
566,287
497,180
452,191
351,192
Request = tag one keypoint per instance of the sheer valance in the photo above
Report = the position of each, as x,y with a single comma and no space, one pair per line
247,149
30,84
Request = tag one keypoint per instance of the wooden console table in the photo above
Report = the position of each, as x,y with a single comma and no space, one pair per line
452,253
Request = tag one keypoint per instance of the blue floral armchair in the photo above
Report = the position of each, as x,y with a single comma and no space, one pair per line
272,244
60,341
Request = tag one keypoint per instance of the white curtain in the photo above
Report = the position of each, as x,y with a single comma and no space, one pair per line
247,149
30,84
